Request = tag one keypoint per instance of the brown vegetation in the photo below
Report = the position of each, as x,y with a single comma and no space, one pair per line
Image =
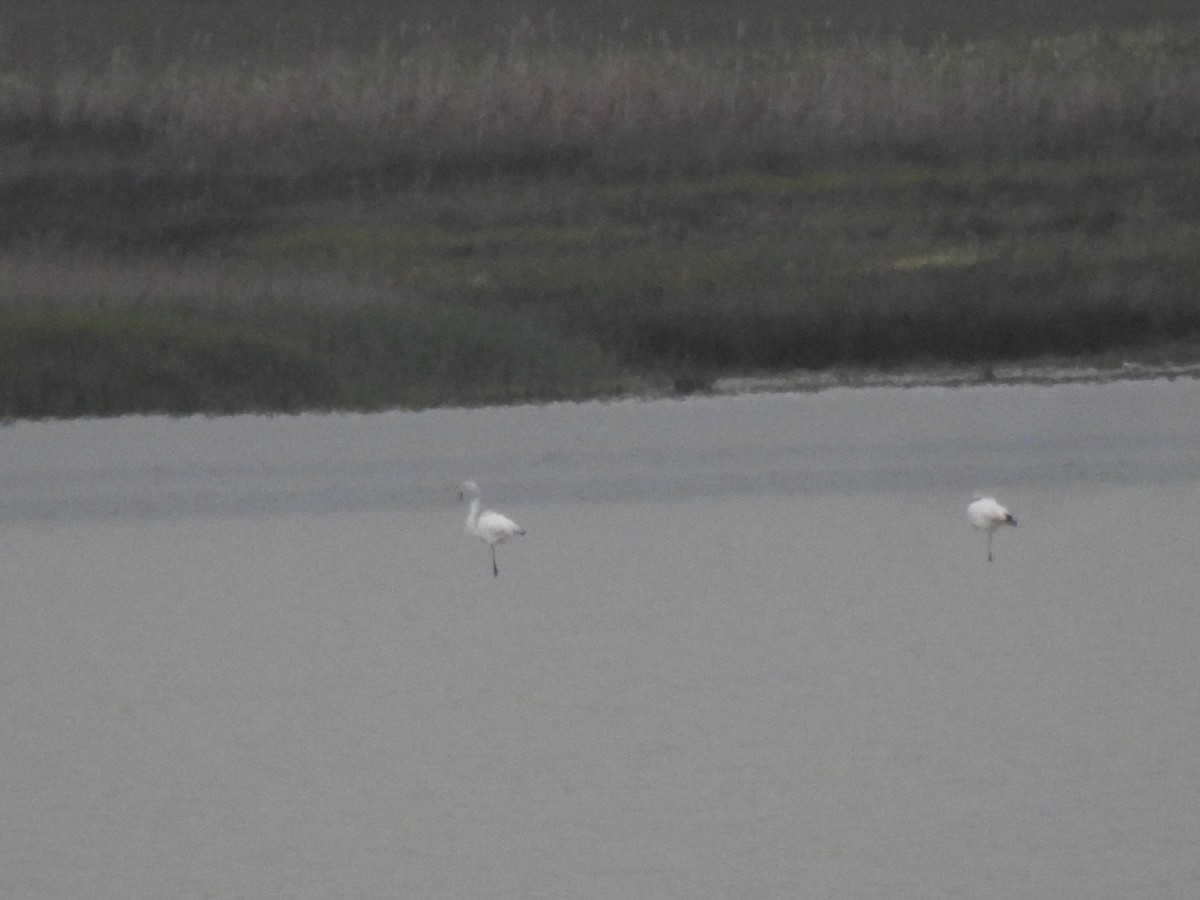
418,218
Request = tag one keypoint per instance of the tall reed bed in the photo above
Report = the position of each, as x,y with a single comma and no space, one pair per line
606,109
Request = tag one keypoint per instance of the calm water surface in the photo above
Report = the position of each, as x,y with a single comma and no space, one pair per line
749,648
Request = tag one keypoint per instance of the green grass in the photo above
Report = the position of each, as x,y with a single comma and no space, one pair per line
830,268
102,362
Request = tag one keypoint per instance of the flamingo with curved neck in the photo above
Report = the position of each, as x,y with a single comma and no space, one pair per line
489,526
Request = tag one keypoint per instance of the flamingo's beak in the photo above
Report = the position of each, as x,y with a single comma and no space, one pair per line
1009,520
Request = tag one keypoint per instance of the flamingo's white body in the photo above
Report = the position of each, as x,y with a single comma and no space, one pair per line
489,526
986,514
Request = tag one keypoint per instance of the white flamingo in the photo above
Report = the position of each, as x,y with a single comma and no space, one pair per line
489,526
987,515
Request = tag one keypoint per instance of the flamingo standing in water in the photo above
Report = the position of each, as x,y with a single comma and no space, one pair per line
987,515
489,526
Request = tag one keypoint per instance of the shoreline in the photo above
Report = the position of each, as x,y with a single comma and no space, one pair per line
965,376
1015,374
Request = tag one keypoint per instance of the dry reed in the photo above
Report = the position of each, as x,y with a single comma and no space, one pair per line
654,109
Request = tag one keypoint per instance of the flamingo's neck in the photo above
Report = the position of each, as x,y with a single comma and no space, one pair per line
473,516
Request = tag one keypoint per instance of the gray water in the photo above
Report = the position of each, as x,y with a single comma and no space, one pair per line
749,648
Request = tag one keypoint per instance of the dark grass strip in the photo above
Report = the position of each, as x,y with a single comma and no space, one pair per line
66,364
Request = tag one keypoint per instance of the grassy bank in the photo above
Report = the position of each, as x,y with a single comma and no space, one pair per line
79,337
839,267
559,206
